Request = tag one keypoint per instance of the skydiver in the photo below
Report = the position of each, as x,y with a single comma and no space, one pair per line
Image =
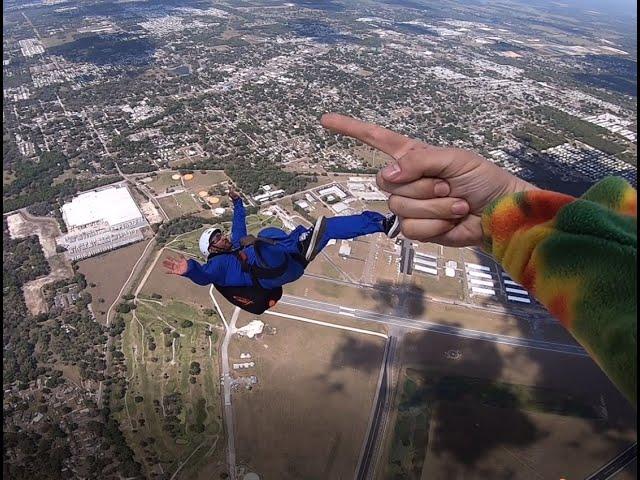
250,271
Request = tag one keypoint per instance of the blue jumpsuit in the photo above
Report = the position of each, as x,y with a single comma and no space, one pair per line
226,270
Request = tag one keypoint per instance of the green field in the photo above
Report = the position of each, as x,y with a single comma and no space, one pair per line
167,398
179,204
161,182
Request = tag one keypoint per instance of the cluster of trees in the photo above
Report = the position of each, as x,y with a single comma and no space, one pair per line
138,167
584,131
54,195
537,137
22,261
250,175
30,176
177,226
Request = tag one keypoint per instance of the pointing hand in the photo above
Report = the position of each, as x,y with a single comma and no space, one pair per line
439,193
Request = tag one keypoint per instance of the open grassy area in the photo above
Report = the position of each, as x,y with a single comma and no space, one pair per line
476,410
306,418
173,395
108,271
204,181
162,181
179,204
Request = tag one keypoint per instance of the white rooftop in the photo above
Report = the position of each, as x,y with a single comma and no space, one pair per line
113,205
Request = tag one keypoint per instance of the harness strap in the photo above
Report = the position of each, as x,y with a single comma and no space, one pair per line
258,271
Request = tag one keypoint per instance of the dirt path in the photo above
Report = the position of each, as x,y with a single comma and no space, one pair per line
22,225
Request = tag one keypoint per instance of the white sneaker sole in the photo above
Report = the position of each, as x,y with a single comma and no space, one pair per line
314,238
395,228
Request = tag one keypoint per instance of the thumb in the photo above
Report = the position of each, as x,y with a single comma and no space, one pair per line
421,161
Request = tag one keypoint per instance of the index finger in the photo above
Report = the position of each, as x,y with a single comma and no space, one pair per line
378,137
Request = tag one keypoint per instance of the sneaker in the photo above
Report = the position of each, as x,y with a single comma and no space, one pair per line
316,234
391,225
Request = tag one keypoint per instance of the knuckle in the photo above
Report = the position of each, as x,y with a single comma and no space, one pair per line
396,204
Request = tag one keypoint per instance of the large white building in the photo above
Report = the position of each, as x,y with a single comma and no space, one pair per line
101,220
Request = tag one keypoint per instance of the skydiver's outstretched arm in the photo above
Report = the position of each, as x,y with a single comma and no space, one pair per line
239,225
210,272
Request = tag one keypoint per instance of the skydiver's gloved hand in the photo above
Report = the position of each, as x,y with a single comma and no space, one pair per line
440,193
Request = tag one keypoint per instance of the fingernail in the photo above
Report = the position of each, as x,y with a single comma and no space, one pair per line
441,189
391,171
459,208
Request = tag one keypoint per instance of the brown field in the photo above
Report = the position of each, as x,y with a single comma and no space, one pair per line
204,181
476,441
173,287
378,206
109,272
308,414
322,266
440,286
7,177
371,157
179,204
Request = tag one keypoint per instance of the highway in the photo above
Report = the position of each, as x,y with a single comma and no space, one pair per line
414,324
610,469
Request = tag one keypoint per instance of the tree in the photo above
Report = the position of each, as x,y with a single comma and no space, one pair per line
194,368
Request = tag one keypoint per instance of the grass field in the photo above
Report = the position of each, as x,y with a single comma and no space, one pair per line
108,272
173,287
307,416
166,399
162,181
179,204
204,181
371,157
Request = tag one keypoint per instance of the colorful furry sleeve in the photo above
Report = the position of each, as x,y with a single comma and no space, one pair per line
577,256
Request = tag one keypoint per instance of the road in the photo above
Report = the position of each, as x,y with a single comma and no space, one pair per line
615,465
413,324
230,329
379,415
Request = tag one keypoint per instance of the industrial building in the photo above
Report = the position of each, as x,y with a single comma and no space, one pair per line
101,220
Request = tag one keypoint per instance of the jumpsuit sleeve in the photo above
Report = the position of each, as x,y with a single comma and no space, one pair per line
239,225
210,272
577,256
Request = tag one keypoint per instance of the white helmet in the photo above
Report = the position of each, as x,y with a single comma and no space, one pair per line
203,243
